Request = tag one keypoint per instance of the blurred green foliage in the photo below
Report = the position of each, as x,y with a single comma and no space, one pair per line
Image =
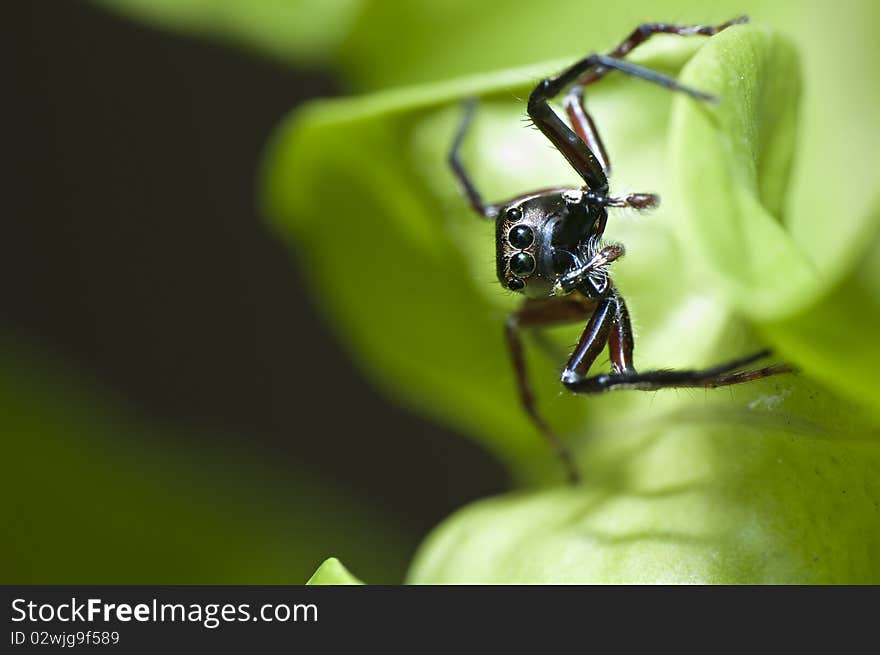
300,31
94,494
768,233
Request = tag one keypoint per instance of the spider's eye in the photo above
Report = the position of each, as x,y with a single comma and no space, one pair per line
521,236
522,263
514,214
515,284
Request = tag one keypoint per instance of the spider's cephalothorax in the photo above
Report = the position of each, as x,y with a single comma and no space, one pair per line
540,237
549,243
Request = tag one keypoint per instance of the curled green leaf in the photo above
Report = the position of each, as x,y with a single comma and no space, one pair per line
835,336
732,163
781,489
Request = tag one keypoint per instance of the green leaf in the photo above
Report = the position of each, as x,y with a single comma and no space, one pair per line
332,572
835,337
739,154
808,304
778,488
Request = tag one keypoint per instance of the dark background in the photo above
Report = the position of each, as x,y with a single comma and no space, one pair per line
132,250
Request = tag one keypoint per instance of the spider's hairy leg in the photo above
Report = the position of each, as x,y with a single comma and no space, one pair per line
582,146
458,169
645,31
542,313
611,323
585,127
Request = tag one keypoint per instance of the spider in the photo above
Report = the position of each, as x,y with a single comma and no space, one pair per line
549,243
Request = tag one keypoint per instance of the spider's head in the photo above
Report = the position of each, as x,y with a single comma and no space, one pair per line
533,239
518,245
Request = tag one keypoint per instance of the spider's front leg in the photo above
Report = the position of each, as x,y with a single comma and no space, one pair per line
610,325
581,144
572,146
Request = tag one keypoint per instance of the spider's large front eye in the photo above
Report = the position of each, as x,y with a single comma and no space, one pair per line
522,263
521,236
